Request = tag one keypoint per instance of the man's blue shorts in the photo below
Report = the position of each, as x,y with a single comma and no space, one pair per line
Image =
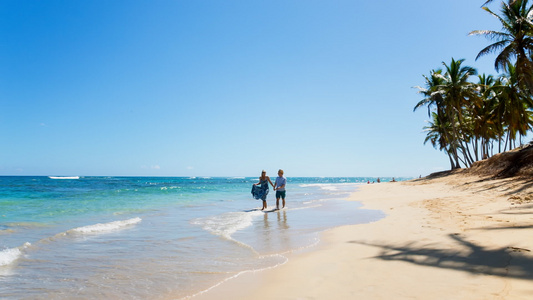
280,194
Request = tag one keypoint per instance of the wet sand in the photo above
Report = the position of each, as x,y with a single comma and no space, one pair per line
451,237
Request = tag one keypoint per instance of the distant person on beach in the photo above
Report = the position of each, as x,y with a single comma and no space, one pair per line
379,180
279,187
261,191
393,180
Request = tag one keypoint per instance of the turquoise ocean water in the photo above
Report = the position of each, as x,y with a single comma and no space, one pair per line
155,237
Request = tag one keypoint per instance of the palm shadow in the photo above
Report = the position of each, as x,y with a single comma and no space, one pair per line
491,184
506,262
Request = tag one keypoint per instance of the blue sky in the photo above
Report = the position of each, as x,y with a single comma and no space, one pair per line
225,88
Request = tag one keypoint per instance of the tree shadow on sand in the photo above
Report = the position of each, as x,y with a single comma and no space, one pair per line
491,184
506,262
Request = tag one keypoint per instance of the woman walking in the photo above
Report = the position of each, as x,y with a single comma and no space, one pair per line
261,191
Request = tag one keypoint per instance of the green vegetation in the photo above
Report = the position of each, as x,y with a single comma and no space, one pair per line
473,120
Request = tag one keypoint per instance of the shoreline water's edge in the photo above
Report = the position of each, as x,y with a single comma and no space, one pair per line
286,254
212,292
190,233
449,237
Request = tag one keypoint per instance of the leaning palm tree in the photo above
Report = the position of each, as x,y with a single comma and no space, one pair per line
438,134
457,92
439,131
514,43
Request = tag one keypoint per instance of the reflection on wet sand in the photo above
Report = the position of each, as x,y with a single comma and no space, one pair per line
276,234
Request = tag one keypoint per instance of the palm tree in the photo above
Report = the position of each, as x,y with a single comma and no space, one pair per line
433,97
514,42
437,134
438,131
457,91
450,93
513,107
467,116
484,120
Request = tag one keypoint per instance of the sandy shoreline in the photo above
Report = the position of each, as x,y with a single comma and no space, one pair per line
453,237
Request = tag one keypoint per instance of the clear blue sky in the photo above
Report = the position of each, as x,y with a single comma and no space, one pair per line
225,88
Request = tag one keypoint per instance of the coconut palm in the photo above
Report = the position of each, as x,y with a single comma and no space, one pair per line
484,120
437,133
513,107
457,91
433,97
468,118
449,93
514,43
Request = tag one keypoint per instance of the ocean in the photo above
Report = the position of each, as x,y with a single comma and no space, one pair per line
156,237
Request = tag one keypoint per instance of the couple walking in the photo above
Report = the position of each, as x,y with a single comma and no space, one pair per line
260,189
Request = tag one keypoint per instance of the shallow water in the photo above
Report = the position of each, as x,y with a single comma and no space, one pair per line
152,238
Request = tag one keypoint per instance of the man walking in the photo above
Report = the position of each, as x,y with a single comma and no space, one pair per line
279,187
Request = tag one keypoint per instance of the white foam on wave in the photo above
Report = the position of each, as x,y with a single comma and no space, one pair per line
228,223
105,227
330,186
164,188
323,186
64,177
8,256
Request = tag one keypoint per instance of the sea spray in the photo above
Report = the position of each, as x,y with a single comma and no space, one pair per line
8,256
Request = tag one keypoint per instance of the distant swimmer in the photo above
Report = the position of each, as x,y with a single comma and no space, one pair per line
261,192
279,187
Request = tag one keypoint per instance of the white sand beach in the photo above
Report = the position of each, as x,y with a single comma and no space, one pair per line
458,236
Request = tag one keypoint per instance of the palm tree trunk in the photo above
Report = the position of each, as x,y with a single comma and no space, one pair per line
456,157
477,148
452,166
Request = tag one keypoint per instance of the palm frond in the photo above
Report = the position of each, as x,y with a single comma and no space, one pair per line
491,48
504,58
491,34
504,23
